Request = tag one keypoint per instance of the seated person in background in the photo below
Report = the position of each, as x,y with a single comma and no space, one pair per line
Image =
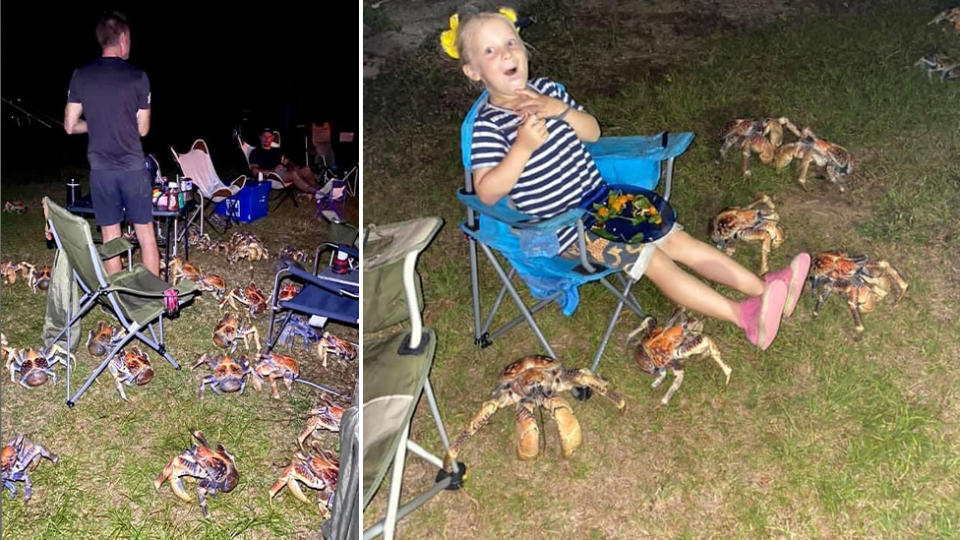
266,159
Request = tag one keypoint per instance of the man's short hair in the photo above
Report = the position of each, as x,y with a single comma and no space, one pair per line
110,26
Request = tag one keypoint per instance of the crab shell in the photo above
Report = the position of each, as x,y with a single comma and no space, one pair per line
98,343
835,265
212,282
34,366
731,221
42,278
225,332
9,272
17,206
527,370
8,457
138,365
229,373
287,292
255,297
277,365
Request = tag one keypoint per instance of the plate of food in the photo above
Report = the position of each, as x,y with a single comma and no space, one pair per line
629,214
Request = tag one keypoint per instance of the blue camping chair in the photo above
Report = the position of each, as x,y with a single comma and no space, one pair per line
325,294
633,161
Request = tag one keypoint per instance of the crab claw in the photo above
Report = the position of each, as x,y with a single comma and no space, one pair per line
173,470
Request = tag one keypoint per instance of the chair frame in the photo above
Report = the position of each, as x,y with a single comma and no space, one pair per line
107,295
445,480
483,336
201,145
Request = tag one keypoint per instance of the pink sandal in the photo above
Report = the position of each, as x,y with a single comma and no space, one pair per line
793,276
760,315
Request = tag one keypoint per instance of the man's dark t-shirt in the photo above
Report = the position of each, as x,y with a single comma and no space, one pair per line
266,158
111,91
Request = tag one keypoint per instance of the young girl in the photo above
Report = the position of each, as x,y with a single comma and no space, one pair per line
528,145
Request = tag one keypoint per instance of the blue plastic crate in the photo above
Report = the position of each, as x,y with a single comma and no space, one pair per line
249,204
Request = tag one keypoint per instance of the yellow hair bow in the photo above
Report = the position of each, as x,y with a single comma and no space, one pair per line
448,38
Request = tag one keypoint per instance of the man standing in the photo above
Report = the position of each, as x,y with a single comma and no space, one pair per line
114,99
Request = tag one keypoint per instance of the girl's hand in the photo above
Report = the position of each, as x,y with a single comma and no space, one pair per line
532,134
532,102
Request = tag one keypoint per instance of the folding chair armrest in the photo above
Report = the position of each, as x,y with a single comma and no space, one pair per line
115,247
316,280
519,220
658,147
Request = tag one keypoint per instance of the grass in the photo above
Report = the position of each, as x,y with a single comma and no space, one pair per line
111,451
820,436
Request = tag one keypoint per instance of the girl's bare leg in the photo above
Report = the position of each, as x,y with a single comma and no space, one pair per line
688,291
711,263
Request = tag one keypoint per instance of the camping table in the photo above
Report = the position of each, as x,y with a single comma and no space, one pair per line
84,207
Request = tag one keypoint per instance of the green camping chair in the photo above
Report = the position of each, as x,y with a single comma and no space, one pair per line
396,366
135,297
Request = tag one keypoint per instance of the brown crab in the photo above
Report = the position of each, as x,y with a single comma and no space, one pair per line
250,296
273,366
950,15
229,375
835,159
326,416
130,367
750,224
17,460
862,281
532,382
658,348
9,271
760,137
230,328
290,253
318,470
246,245
948,68
100,342
39,279
180,269
215,471
338,346
15,207
34,366
287,292
212,283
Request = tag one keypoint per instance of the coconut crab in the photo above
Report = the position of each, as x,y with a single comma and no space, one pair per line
750,224
15,207
230,328
325,416
949,15
658,348
180,269
290,253
529,383
34,366
287,292
251,296
273,366
9,271
100,342
298,326
228,375
39,278
131,367
836,160
246,245
19,458
862,281
216,471
330,343
318,470
212,283
760,137
948,68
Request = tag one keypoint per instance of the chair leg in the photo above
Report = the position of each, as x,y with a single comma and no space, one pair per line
272,339
131,333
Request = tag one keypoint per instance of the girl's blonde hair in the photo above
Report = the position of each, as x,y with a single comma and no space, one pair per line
469,17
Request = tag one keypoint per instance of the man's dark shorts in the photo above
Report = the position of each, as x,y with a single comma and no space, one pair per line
114,191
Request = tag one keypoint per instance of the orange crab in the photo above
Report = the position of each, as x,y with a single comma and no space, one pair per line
273,366
215,471
761,137
100,342
661,347
318,470
180,269
287,292
862,281
835,159
131,367
749,224
229,375
35,366
230,328
39,279
326,416
950,15
212,283
530,383
251,296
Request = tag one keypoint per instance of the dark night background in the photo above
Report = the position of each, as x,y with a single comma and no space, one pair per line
211,70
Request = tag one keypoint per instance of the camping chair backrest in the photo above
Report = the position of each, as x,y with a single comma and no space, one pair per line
77,242
197,165
246,147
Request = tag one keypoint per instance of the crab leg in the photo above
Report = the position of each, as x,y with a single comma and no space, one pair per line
677,381
177,467
569,428
486,411
585,378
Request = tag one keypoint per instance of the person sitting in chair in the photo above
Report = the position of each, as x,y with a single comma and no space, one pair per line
267,159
